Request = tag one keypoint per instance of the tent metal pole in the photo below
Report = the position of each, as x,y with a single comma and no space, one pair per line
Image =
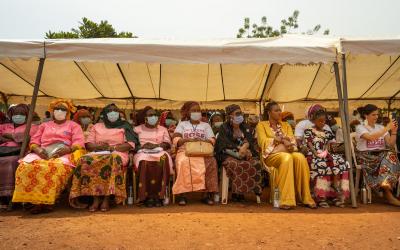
32,107
342,97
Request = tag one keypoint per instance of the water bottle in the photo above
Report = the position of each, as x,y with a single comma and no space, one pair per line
364,195
130,196
166,198
276,198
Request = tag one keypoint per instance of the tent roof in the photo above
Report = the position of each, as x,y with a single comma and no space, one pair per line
285,69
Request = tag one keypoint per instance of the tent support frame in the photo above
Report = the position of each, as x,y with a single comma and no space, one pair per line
343,110
32,107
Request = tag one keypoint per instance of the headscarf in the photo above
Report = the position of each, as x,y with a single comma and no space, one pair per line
66,103
185,110
312,109
81,113
163,118
285,115
231,108
23,108
130,135
213,115
141,115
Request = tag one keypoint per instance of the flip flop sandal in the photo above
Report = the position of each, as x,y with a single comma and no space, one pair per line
323,204
339,203
182,201
207,201
284,207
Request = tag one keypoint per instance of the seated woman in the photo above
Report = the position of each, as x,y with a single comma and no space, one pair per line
194,173
236,151
84,118
329,173
152,161
278,150
168,121
11,136
43,174
101,173
216,121
380,164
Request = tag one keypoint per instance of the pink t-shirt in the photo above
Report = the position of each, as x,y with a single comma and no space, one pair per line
156,135
8,128
112,136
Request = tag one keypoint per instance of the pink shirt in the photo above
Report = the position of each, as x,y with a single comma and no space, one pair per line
8,128
112,136
156,135
48,133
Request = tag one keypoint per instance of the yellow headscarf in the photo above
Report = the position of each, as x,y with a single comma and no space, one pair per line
66,103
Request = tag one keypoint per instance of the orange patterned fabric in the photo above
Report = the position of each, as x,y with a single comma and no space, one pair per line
41,182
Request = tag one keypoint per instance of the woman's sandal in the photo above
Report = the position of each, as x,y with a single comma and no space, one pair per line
149,203
105,207
158,203
323,204
182,201
285,207
339,203
93,208
37,209
75,203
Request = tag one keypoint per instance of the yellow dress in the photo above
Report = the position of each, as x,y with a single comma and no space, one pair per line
292,174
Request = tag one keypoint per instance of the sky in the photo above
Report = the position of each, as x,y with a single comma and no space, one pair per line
199,19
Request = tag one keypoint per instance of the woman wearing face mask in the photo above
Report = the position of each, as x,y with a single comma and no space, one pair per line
55,148
376,155
236,151
152,161
101,173
84,118
216,121
279,150
194,173
11,136
168,121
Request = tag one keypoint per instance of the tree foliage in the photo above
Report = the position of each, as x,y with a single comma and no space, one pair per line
263,30
90,29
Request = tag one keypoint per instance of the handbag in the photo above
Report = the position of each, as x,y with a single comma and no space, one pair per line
199,149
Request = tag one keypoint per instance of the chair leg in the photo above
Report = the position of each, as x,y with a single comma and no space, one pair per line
173,181
272,185
357,184
135,198
225,187
398,189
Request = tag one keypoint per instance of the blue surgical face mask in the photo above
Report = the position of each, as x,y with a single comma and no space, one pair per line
152,120
238,119
195,116
18,119
170,122
113,116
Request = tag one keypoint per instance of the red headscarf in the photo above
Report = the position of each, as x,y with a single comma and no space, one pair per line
81,113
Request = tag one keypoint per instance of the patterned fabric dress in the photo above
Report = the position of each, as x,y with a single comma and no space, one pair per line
323,169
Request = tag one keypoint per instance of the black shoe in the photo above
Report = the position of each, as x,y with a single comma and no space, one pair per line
149,203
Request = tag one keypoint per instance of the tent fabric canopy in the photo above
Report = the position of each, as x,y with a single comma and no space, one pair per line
167,72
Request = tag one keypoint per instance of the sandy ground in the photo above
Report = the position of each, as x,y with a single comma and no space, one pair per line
198,226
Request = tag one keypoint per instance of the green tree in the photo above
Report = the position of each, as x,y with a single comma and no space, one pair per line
90,29
263,30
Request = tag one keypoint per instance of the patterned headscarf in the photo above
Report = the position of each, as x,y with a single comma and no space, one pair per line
22,108
66,103
185,110
81,113
312,109
163,118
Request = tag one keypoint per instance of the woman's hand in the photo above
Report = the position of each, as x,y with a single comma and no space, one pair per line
61,152
124,147
102,146
41,153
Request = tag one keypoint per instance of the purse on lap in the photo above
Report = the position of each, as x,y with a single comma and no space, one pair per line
199,149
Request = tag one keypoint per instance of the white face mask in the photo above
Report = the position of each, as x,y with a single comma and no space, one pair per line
86,120
195,116
60,115
113,116
218,124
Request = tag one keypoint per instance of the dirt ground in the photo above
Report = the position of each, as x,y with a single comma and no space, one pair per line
198,226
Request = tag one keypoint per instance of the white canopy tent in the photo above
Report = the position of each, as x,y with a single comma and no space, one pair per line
164,73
